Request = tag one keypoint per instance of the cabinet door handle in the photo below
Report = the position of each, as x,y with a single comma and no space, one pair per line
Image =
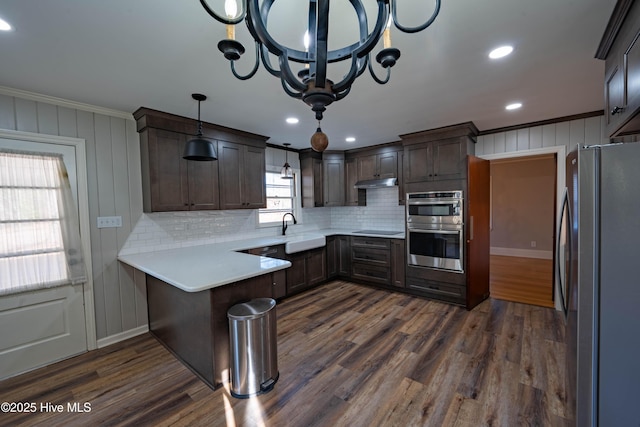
616,110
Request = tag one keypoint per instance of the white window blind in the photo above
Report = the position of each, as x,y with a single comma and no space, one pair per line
281,198
39,231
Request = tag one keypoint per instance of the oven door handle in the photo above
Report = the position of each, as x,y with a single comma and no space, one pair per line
434,231
434,202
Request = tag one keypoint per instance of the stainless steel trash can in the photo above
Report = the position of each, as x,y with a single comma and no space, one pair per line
253,347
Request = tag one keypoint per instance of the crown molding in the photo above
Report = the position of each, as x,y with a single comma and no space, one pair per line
38,97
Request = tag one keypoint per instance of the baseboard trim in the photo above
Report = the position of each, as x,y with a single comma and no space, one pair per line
112,339
522,253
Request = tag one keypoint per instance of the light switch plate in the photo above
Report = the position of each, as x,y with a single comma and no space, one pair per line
109,221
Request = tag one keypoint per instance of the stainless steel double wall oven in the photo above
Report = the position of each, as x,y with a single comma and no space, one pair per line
435,230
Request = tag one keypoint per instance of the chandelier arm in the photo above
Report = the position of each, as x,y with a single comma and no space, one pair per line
322,28
342,94
222,19
372,39
310,49
257,22
413,29
362,66
287,75
289,91
253,71
350,77
378,80
267,62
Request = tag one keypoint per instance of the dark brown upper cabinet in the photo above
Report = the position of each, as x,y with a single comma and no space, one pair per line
351,193
378,166
169,183
620,48
438,154
333,179
242,176
323,176
172,183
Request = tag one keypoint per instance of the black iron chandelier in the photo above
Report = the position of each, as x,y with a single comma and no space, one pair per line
311,84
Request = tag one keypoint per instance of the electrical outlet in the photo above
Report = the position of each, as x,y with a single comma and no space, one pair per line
109,221
533,243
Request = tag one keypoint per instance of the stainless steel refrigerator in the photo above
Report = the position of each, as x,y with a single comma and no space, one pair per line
599,280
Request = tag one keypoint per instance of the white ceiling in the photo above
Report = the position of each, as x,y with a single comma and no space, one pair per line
124,54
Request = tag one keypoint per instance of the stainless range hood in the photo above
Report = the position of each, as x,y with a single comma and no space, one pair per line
377,183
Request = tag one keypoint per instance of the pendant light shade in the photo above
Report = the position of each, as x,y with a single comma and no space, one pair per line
286,172
199,148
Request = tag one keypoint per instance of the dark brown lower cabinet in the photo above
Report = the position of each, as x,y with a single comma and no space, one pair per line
448,292
333,257
398,262
307,269
280,276
296,274
371,273
371,260
194,325
344,256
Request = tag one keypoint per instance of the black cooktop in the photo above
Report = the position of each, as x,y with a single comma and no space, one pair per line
381,232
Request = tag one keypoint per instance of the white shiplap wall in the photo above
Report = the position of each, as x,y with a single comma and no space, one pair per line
589,131
114,185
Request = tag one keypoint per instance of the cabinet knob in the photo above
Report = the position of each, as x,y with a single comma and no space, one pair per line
616,110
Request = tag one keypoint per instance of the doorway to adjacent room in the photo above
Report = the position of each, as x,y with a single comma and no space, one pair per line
524,192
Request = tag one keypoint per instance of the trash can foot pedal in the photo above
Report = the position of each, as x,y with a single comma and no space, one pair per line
268,384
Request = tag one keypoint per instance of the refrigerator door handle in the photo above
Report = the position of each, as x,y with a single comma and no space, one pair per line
565,214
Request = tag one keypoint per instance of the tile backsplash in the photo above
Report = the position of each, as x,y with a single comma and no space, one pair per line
381,213
167,230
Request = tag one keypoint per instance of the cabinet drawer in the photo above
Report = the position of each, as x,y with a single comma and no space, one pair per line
371,273
438,290
370,242
370,256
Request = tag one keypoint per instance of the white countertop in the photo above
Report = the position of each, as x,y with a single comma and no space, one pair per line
198,268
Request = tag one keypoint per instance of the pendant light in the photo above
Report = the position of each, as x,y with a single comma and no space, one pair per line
199,148
286,172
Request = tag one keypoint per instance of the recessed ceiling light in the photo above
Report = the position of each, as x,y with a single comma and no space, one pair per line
350,139
292,120
4,25
514,106
500,52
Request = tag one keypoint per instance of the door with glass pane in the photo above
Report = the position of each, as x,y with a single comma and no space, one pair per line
41,325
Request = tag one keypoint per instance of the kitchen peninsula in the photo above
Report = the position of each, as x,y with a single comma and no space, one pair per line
190,289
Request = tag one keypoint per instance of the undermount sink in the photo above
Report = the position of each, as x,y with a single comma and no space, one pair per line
304,242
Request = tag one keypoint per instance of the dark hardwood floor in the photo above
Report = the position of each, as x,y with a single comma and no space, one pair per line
348,355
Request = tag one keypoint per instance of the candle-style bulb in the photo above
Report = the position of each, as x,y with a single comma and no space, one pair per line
231,10
386,36
306,41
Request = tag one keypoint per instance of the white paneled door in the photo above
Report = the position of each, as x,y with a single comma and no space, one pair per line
40,327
